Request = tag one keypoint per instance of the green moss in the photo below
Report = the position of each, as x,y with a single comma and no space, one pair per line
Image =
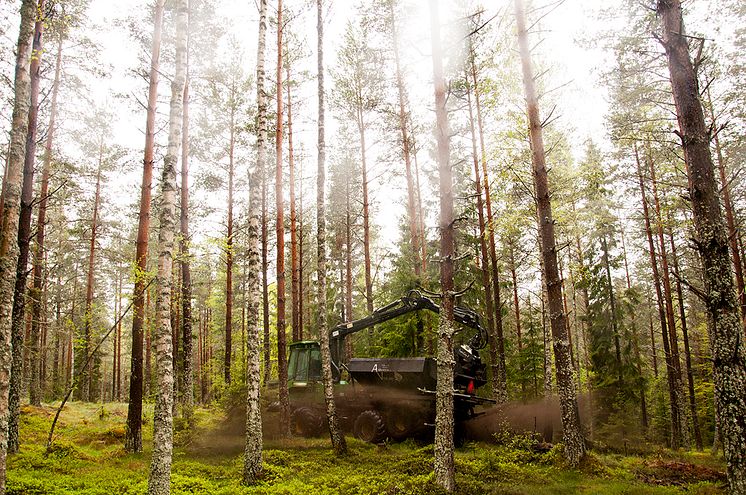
87,458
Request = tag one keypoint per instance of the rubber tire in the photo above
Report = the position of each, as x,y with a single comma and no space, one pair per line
369,427
305,423
400,423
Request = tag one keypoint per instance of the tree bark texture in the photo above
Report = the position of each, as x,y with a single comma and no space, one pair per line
294,261
229,252
23,237
252,466
444,425
670,374
133,437
499,379
87,393
159,481
490,233
335,431
187,392
675,360
574,443
282,365
405,145
37,292
687,348
724,322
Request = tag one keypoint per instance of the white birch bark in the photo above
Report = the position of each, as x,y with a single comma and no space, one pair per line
159,481
253,448
335,432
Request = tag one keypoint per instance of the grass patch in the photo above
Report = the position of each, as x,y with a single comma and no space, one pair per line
88,459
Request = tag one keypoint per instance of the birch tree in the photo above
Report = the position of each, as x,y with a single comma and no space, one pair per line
253,449
159,481
335,431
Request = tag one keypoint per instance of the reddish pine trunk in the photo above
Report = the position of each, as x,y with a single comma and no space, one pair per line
421,217
36,382
282,364
348,266
229,257
405,144
687,349
301,290
574,443
675,360
491,233
724,322
294,261
729,215
186,270
670,373
499,380
133,439
366,220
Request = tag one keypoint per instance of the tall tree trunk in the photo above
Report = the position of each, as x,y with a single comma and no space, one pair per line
229,251
444,422
574,444
729,215
267,347
687,349
118,381
675,360
499,380
335,431
148,345
301,251
294,261
490,232
420,217
517,310
38,301
187,393
725,328
23,238
348,267
159,481
366,220
405,145
612,306
282,365
133,438
636,346
670,373
87,393
253,448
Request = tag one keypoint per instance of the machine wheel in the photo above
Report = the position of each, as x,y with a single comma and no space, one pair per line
400,423
369,427
305,423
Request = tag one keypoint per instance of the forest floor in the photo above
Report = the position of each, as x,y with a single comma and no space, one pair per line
88,458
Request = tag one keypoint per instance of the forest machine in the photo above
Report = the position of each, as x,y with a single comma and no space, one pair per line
384,397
